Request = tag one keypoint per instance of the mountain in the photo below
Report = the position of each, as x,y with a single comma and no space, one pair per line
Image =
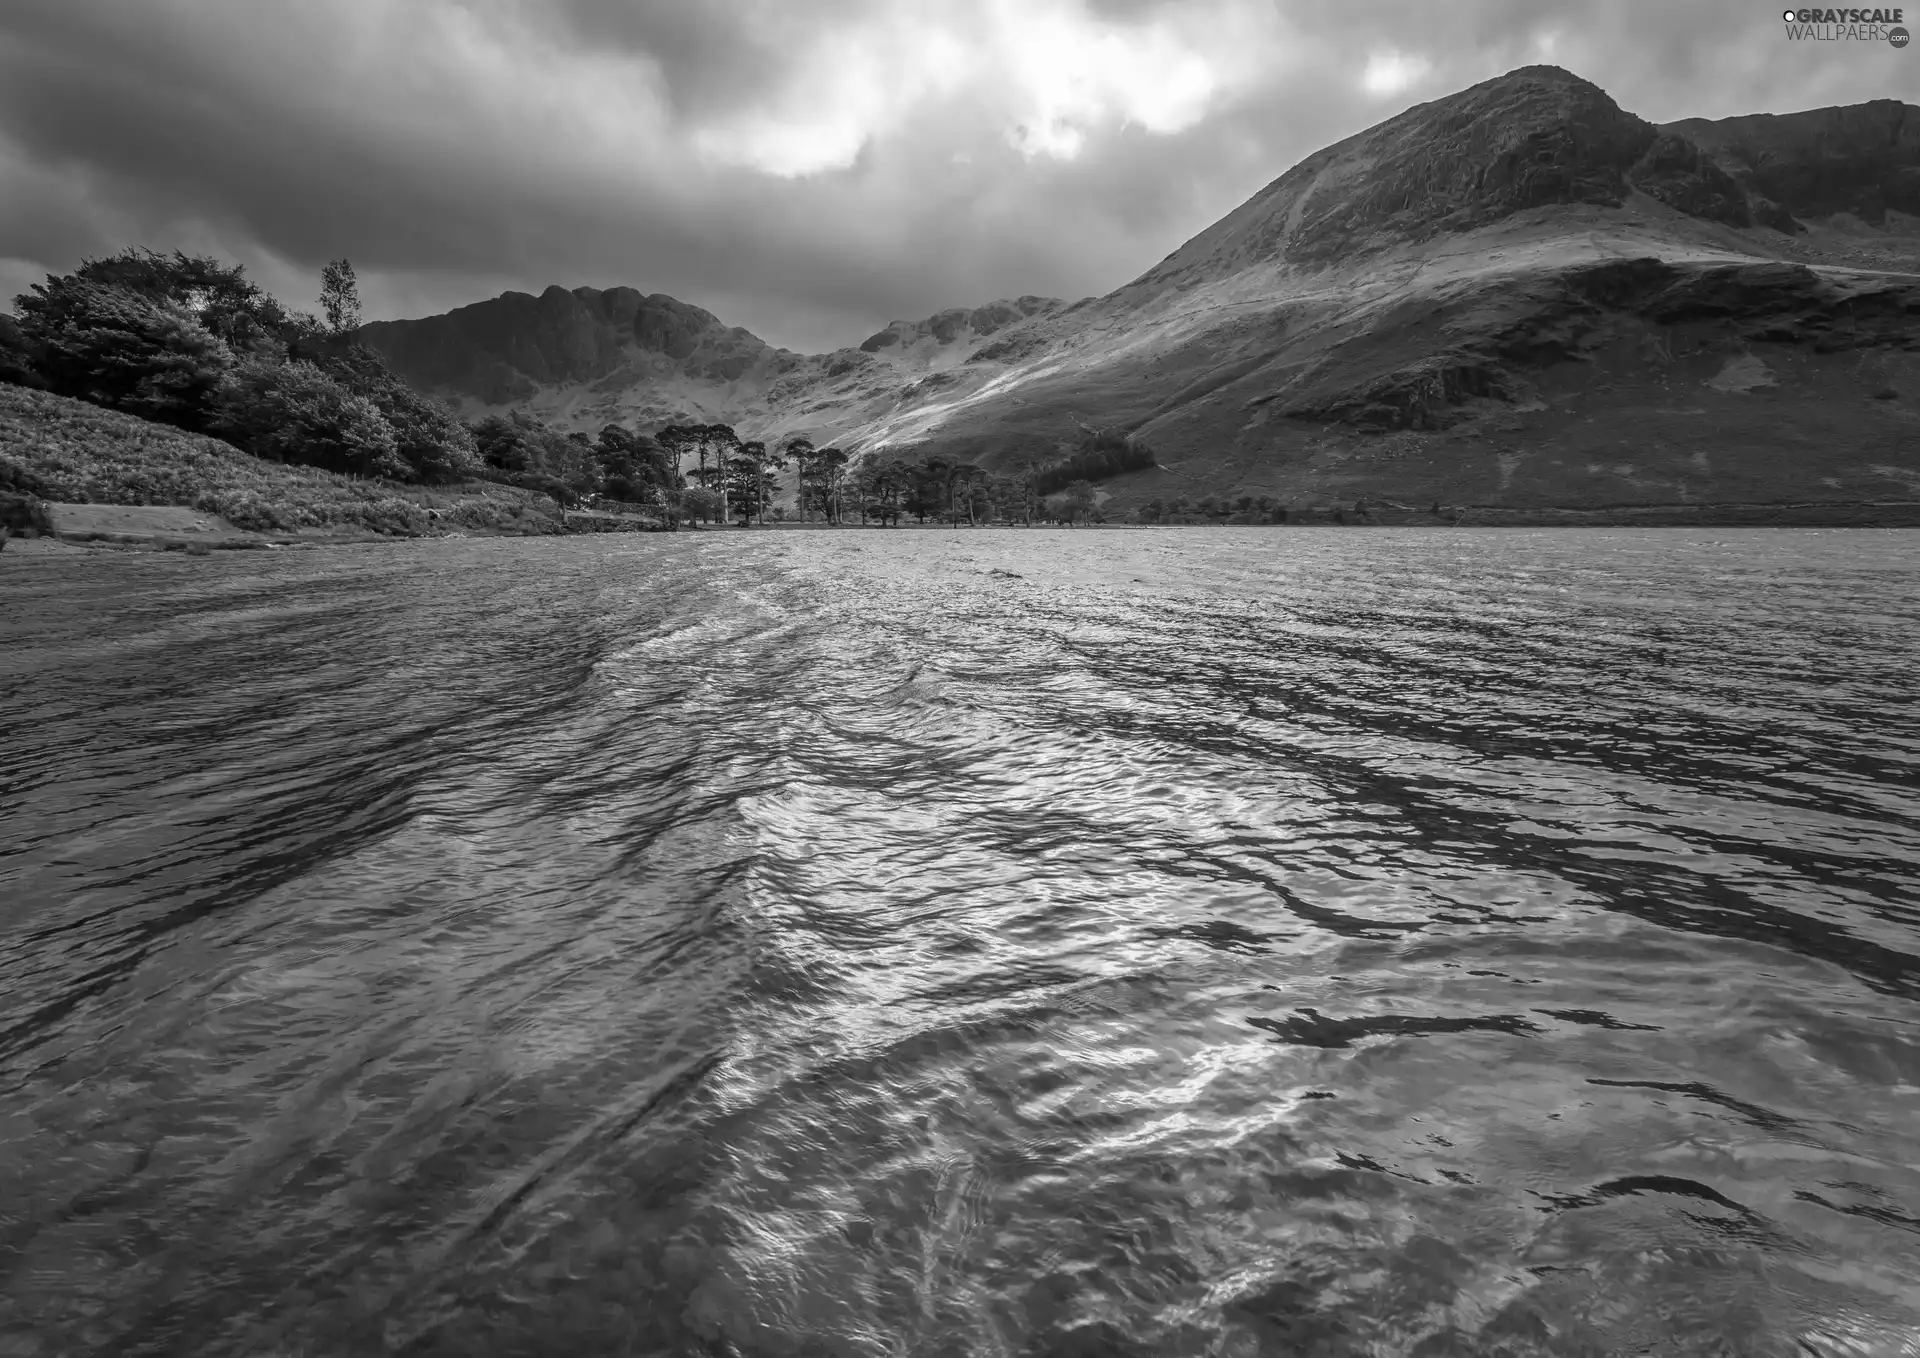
1517,295
585,357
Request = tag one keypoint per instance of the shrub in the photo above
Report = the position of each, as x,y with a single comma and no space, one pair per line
24,515
245,509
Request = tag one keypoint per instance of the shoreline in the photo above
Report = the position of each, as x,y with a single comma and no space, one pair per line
221,537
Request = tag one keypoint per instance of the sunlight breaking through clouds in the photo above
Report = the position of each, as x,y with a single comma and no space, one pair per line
1052,73
808,169
1391,72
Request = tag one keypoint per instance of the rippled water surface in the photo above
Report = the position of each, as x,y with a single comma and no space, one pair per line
881,943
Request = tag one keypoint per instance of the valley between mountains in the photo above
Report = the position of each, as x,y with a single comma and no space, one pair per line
1517,297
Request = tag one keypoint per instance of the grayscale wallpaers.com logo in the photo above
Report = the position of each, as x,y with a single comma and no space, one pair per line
1846,25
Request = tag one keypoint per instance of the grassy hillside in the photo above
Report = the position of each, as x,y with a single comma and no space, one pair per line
66,450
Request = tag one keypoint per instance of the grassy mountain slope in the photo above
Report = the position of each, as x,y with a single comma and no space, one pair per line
1519,295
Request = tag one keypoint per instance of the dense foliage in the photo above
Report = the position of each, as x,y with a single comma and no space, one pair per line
620,464
133,351
1101,453
431,443
1244,509
16,358
296,412
191,342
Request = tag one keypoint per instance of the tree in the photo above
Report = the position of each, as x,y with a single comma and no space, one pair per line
1008,497
1098,454
221,297
431,440
678,440
700,504
968,482
713,445
340,297
1080,500
158,335
724,445
1074,503
799,450
768,462
18,363
503,444
634,467
832,463
880,485
925,491
524,451
117,347
749,474
1029,484
294,412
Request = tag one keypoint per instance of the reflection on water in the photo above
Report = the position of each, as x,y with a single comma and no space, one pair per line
1070,943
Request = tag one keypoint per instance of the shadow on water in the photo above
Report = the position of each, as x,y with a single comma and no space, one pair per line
1011,943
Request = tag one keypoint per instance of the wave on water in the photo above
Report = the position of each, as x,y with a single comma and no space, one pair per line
1000,942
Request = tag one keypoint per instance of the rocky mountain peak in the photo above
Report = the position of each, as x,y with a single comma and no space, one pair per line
1533,137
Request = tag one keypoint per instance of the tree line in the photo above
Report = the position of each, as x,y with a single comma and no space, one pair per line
189,341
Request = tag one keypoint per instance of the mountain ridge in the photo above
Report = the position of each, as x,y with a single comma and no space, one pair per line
1443,288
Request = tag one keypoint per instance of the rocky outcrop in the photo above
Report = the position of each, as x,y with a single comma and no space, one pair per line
957,324
1861,159
1676,172
1493,345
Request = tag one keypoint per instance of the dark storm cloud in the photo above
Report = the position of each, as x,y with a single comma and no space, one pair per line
808,168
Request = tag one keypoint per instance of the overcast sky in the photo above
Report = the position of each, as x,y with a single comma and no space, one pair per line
809,169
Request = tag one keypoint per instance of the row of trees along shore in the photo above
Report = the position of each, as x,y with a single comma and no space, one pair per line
191,342
730,477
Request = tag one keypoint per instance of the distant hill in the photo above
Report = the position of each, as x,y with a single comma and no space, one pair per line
1519,295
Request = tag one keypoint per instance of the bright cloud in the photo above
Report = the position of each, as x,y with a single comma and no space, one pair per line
1391,72
809,169
1052,72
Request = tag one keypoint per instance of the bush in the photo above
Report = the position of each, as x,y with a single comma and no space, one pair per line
559,490
118,348
294,412
246,509
24,515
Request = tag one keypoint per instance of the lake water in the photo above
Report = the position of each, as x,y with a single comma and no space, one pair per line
1229,942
